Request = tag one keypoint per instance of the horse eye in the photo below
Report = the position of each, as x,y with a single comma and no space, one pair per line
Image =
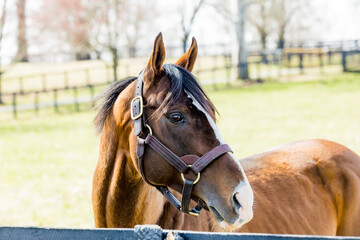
176,118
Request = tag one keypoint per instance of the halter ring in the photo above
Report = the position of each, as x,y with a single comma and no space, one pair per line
192,213
196,180
150,130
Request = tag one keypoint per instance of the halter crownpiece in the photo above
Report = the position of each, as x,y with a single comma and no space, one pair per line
182,164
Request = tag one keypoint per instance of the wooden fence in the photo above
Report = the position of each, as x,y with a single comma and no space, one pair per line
291,61
351,61
142,232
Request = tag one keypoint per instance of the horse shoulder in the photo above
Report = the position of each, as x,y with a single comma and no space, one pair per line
303,187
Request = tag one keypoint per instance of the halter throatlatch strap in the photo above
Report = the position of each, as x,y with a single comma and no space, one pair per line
182,164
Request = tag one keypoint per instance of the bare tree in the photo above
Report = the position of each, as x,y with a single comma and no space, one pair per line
187,23
22,44
236,20
71,25
119,22
2,23
283,13
106,28
135,22
260,15
92,26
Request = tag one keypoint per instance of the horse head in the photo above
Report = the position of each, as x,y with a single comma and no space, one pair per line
176,111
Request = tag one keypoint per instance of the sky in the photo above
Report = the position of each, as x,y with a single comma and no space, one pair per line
326,20
338,20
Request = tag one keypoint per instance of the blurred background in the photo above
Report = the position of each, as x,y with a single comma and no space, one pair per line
282,70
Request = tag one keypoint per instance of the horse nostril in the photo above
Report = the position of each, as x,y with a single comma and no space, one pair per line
236,203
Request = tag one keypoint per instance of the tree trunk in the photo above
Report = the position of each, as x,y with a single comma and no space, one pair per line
243,72
263,36
281,38
185,38
98,54
115,57
2,23
22,55
132,51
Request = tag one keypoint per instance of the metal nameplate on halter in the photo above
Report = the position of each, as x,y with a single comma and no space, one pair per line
141,107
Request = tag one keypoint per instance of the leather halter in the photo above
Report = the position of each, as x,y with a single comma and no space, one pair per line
182,164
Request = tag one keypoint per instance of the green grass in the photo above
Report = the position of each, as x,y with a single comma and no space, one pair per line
46,171
46,163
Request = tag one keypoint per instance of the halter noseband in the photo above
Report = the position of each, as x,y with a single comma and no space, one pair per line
182,164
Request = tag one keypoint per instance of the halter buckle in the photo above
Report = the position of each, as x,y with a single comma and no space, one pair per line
141,107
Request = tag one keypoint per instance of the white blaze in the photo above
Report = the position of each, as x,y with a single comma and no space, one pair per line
216,131
244,193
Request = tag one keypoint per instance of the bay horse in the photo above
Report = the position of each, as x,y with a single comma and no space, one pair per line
159,130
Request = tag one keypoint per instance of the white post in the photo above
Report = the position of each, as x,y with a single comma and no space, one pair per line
243,72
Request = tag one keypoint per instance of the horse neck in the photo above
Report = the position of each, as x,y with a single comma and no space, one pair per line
120,197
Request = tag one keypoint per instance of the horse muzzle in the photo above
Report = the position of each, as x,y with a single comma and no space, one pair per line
237,211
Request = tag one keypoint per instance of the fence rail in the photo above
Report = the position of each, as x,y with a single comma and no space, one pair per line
277,64
141,232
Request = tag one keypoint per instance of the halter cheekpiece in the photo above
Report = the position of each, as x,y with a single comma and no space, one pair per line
182,164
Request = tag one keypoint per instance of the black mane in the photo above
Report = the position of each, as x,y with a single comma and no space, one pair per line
107,98
181,79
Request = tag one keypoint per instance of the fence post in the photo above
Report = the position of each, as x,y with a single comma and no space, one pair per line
213,73
343,60
107,74
21,85
321,61
329,56
14,105
56,107
76,102
66,80
87,76
43,77
92,94
1,79
127,69
259,70
36,103
301,66
228,64
280,64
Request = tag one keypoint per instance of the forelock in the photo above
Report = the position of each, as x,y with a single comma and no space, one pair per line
182,80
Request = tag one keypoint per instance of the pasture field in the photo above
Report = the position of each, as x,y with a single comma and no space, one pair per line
46,163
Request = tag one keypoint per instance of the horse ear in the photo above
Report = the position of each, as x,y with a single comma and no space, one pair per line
187,61
156,60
